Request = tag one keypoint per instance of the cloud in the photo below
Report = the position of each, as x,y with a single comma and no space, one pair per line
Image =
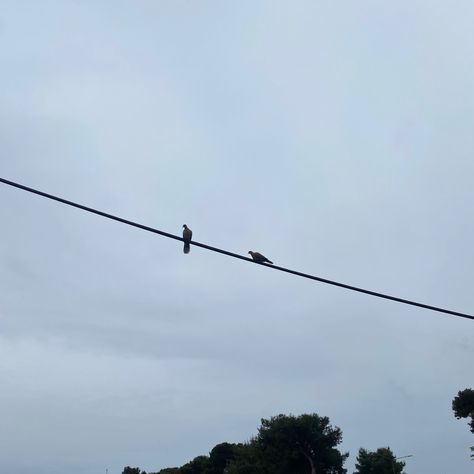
337,142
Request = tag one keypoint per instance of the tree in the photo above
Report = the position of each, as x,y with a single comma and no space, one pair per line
382,461
248,460
197,466
463,406
220,456
303,444
132,470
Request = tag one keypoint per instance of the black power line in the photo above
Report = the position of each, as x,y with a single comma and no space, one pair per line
235,255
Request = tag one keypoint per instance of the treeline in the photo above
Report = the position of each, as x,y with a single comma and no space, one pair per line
286,445
305,444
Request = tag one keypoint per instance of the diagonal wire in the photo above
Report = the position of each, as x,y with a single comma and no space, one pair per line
235,255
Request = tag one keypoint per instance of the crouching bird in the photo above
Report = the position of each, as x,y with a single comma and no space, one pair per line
259,258
187,236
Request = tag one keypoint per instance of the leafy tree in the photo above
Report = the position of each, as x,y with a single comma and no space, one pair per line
132,470
168,470
303,444
382,461
248,460
220,456
197,466
463,406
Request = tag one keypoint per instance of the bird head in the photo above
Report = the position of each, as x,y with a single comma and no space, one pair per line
250,252
185,226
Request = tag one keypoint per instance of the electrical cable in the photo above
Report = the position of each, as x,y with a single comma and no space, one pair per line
235,255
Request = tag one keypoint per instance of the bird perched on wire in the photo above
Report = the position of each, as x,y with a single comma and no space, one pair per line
259,258
187,236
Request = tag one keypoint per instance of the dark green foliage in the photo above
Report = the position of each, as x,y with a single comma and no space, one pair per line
463,406
220,456
303,444
168,470
198,465
248,460
132,470
382,461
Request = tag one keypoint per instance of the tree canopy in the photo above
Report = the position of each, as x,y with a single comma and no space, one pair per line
463,406
132,470
382,461
197,466
305,444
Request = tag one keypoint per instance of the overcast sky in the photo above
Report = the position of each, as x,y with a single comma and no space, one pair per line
334,137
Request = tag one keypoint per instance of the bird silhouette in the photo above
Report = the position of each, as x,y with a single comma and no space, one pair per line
259,258
187,236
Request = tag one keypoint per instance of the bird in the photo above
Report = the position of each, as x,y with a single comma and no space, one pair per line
187,236
259,258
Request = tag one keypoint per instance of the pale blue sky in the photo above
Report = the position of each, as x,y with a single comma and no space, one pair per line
336,138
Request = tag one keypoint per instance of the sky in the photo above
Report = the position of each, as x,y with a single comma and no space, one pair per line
335,138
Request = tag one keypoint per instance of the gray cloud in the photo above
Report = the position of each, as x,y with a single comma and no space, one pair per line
336,141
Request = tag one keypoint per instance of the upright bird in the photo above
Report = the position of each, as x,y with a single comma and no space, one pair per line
187,236
259,258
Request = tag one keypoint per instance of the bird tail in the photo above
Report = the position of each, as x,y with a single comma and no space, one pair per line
186,247
271,263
